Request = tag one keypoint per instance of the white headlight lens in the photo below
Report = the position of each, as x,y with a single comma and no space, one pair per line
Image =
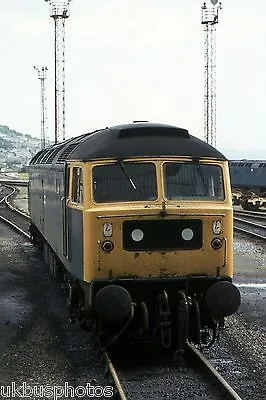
137,235
187,234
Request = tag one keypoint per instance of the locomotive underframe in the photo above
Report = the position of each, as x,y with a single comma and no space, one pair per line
171,311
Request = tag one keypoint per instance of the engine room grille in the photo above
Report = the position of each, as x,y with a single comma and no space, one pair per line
162,235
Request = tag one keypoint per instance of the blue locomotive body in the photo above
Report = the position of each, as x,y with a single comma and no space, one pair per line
248,175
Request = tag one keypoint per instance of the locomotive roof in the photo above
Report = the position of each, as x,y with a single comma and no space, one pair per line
248,163
129,140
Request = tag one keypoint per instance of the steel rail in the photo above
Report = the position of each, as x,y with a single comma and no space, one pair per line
3,199
115,377
199,357
7,221
11,206
252,214
15,227
249,223
250,233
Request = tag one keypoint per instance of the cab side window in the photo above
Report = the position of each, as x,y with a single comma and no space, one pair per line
77,185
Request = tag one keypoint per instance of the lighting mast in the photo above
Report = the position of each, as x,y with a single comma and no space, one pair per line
209,18
59,11
42,72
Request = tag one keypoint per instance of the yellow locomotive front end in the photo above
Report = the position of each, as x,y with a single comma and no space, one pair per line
158,232
148,227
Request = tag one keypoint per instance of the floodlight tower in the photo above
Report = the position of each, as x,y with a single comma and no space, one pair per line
59,11
42,75
209,18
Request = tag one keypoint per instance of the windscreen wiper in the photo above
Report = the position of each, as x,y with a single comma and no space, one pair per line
122,165
201,175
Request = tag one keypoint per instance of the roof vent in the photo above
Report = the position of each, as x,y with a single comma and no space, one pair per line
37,158
66,152
153,131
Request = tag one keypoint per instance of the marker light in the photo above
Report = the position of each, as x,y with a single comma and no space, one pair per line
216,243
107,246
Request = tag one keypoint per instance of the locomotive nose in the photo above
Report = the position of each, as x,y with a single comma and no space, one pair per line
113,303
223,299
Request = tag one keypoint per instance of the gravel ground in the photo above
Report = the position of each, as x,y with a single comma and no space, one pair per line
240,354
38,345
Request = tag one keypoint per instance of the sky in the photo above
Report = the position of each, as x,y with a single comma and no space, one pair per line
138,60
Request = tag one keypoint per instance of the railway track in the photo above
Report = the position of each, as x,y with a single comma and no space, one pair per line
256,215
252,223
11,215
157,376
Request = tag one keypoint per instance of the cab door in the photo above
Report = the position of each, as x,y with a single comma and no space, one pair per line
43,203
74,220
65,219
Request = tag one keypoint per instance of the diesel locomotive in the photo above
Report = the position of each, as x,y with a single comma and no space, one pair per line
137,221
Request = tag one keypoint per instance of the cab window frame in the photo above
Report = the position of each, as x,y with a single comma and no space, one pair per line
127,173
199,197
77,186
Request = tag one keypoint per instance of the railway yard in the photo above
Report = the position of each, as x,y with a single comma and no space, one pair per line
133,256
39,345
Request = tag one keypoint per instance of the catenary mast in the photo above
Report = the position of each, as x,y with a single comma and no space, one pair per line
209,18
42,75
59,11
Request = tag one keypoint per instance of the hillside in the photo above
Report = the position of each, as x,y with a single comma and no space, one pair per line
16,149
